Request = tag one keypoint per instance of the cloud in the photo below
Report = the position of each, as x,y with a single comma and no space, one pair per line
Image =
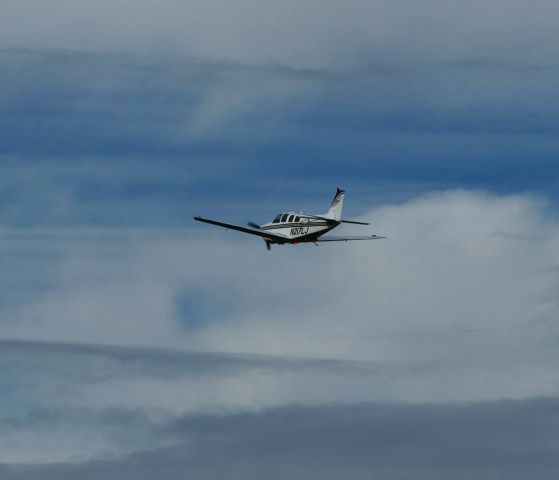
134,341
290,32
73,402
60,422
394,441
466,281
122,131
458,305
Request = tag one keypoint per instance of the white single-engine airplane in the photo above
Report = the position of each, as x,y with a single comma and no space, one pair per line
295,228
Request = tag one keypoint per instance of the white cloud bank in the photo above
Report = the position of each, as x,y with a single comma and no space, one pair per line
458,304
463,275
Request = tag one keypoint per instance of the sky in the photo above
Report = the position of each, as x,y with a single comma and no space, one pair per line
135,342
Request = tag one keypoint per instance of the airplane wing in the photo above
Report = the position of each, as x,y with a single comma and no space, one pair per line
252,231
347,239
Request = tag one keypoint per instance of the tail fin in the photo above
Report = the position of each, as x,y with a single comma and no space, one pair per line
335,212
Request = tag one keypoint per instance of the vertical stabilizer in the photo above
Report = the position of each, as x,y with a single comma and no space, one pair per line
335,212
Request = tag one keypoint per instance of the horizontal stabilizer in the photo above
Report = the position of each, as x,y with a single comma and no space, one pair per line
347,239
354,222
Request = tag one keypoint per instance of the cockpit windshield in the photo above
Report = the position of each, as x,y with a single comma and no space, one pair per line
277,219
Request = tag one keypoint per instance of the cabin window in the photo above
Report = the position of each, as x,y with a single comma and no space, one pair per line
290,218
297,219
277,219
284,217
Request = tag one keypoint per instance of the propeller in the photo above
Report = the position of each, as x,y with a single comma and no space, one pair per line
257,227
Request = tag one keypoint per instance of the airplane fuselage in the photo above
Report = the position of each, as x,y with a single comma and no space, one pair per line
298,228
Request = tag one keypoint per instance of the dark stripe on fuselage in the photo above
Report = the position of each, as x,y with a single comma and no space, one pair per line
310,237
294,225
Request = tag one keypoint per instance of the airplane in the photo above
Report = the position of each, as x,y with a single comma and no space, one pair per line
293,228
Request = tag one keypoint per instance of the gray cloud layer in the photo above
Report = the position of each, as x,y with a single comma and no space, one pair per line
499,440
290,32
73,402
